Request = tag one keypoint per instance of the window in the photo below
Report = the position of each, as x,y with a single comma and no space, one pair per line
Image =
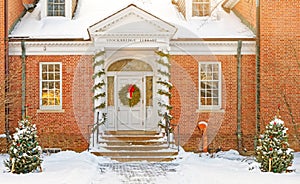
201,8
56,8
210,85
50,86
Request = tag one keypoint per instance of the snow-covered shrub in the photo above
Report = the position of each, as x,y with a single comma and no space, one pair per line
273,152
24,151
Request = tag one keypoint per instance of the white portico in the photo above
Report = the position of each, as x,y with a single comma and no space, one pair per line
126,64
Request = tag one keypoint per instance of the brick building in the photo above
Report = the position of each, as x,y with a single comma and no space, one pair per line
230,63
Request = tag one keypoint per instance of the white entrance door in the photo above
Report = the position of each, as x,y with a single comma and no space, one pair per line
130,118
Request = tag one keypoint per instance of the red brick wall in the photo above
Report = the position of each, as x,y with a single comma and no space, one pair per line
222,125
280,64
246,9
2,76
68,129
15,9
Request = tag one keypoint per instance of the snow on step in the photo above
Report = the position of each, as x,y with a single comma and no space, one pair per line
134,146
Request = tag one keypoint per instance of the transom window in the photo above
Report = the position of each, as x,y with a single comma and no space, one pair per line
210,85
50,85
56,8
201,8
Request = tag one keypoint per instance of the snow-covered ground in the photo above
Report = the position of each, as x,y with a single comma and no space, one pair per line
225,168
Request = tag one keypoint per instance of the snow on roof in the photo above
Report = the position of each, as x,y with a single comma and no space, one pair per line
219,25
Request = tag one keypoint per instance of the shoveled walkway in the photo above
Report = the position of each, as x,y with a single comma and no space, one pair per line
138,173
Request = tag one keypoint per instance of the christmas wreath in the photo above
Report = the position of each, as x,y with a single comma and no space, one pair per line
130,95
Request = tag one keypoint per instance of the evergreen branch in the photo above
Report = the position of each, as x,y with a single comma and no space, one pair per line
101,106
99,85
160,114
162,54
164,73
101,53
98,74
165,83
163,92
98,63
161,62
99,95
168,107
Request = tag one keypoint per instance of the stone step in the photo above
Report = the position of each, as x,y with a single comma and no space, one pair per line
130,146
131,142
131,132
129,154
144,158
130,137
136,147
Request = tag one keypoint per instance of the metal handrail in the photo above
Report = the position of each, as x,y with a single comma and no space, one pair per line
167,130
95,128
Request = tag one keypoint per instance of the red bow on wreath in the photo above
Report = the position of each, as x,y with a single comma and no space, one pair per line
131,89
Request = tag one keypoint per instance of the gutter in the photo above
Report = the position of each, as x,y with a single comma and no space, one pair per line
6,66
23,77
257,71
239,96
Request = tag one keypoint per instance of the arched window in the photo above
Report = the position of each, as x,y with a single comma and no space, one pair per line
130,65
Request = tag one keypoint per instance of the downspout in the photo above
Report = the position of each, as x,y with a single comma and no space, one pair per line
23,77
6,63
239,96
257,71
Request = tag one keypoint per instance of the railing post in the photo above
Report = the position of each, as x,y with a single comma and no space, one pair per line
178,138
167,120
97,138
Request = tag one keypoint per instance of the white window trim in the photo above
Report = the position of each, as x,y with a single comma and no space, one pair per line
210,107
68,9
54,107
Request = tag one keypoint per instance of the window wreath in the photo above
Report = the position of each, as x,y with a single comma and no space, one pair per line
130,95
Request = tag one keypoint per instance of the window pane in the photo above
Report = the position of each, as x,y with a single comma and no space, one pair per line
215,101
216,76
44,76
57,85
57,76
149,91
51,76
110,91
56,8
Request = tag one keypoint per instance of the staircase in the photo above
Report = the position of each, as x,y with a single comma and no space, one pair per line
130,146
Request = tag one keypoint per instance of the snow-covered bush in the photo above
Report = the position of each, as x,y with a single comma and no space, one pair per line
273,152
24,151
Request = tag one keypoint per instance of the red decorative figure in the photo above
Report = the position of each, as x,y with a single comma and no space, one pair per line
131,89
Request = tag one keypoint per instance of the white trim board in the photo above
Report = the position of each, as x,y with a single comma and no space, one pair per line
88,48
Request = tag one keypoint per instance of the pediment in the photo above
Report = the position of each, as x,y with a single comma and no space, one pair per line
132,21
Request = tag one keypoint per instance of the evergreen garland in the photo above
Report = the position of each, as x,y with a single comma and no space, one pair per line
99,65
166,86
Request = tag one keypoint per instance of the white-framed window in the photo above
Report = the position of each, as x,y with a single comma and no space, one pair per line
200,8
50,86
210,89
56,8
